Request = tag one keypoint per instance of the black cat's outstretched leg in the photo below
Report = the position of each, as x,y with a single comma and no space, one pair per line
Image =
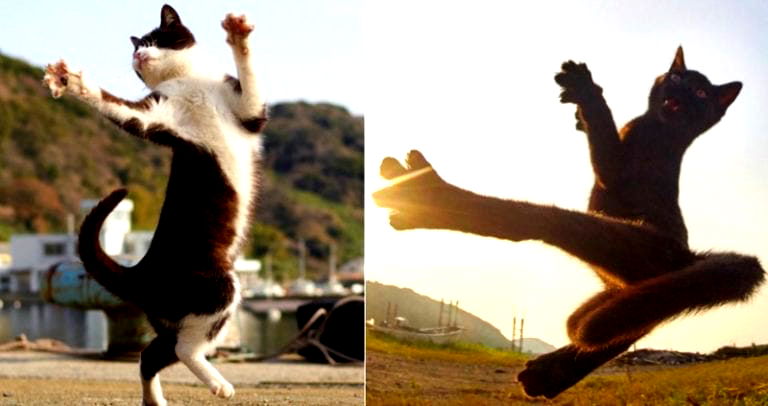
577,317
622,251
159,354
550,374
594,118
713,280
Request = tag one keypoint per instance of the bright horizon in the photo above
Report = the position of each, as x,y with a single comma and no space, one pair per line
472,87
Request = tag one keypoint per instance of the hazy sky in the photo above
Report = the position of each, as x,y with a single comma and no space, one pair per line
471,85
304,50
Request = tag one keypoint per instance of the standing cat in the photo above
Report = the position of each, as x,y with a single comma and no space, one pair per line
632,235
185,284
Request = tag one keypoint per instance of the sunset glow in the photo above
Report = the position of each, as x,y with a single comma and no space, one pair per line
472,88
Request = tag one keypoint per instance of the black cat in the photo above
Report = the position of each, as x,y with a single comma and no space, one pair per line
632,235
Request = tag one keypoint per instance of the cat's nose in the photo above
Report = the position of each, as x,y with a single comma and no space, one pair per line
139,58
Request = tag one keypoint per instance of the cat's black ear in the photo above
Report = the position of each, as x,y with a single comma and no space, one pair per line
678,65
135,41
169,17
727,93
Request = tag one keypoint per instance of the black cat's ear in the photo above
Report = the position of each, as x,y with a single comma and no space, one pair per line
169,17
678,65
727,93
135,41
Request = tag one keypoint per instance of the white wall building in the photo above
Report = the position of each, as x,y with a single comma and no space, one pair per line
116,226
33,254
5,266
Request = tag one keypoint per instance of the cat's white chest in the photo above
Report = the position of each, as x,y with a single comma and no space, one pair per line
202,114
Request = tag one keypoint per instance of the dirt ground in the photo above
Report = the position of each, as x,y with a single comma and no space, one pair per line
46,392
417,376
392,379
45,378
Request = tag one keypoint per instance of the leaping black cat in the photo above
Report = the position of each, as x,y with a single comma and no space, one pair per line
632,234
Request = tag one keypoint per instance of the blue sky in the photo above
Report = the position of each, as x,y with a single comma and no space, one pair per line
304,50
471,85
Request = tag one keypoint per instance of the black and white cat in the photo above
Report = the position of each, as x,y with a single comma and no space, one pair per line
185,284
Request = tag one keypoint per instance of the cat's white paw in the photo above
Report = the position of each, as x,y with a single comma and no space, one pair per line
238,29
60,80
223,390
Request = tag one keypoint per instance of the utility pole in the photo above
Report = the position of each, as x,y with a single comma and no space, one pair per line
302,259
514,332
440,315
332,265
456,315
522,322
394,315
268,267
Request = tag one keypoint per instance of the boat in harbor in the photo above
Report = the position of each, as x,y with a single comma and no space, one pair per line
401,330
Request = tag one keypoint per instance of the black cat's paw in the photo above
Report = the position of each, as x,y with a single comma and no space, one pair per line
577,84
551,374
546,375
416,192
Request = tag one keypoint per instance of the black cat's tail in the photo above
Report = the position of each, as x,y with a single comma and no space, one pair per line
97,263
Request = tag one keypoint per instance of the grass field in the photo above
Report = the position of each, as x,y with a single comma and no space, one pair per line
423,374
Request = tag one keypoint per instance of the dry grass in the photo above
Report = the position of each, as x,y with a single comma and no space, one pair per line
403,374
740,381
453,352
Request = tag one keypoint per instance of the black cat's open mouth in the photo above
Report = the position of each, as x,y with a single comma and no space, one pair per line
672,104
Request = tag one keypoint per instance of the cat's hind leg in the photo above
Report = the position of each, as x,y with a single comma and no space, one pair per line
576,319
713,280
550,374
196,336
160,353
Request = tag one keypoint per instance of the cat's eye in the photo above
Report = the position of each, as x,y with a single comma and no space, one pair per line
674,77
701,93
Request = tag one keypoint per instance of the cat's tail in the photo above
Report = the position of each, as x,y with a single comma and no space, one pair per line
97,263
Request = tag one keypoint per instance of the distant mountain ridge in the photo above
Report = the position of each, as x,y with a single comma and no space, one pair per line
423,311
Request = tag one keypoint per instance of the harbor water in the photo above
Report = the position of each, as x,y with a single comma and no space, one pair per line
260,333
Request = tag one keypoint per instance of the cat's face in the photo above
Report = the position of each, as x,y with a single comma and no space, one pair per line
686,98
163,53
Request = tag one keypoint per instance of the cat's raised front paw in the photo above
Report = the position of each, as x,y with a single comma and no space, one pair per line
238,30
59,79
577,84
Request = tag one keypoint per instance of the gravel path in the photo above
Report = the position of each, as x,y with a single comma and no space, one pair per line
37,378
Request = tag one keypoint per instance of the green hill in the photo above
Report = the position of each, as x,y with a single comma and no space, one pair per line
53,153
422,311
